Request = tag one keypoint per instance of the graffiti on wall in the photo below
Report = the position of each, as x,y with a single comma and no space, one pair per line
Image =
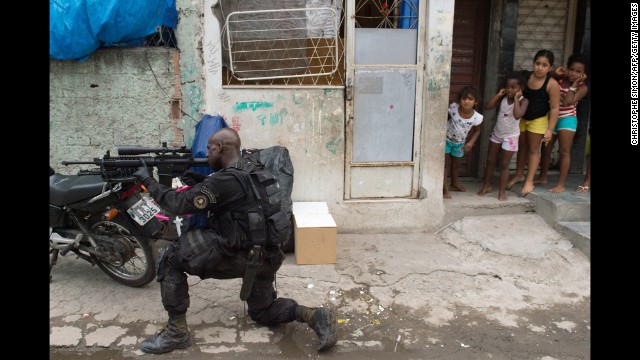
224,97
235,123
251,105
272,118
211,63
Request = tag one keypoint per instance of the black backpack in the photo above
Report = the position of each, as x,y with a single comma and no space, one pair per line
276,160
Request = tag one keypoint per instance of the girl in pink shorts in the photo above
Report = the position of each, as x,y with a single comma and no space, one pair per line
504,138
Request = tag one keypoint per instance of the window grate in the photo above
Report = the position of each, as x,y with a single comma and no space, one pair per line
292,46
273,44
542,24
386,14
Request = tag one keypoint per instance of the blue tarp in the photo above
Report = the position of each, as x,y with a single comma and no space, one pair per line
409,15
78,27
204,128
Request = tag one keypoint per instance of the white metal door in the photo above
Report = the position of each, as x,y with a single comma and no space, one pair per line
385,41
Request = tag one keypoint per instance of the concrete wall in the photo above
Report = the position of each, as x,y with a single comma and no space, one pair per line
310,123
189,34
117,97
129,106
123,96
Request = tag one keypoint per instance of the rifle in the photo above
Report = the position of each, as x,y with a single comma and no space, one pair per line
171,162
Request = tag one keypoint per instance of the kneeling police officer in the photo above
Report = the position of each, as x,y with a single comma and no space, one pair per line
240,240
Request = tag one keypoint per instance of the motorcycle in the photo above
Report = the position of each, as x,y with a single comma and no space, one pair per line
102,217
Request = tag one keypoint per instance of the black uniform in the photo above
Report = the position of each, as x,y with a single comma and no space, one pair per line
220,249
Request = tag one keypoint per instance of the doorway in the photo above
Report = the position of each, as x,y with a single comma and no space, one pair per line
470,21
384,79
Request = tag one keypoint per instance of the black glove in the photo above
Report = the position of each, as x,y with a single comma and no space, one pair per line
191,177
143,174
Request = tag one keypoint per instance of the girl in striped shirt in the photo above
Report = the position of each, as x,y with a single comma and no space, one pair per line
572,89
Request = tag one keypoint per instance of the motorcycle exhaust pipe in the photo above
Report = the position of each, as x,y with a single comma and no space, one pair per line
64,244
59,239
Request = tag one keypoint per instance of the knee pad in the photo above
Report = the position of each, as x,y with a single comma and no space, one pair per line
174,288
161,262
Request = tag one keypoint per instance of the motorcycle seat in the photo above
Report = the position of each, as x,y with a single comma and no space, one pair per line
68,189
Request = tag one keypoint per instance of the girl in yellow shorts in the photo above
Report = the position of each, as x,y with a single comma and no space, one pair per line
538,121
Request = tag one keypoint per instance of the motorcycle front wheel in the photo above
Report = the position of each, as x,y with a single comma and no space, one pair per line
133,266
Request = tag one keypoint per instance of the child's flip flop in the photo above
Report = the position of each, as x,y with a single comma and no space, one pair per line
582,189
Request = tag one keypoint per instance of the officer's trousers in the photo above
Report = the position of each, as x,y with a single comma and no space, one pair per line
200,252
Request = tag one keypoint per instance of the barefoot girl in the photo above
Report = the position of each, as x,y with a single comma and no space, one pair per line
506,131
543,93
462,119
572,89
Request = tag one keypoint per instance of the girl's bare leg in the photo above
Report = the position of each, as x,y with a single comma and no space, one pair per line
533,143
492,157
505,160
445,184
455,167
566,139
521,161
586,183
545,161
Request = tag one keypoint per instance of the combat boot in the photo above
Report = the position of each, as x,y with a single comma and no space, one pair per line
174,336
322,321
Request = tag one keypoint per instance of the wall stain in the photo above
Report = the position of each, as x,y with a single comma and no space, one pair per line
297,99
328,92
253,105
333,145
436,84
195,100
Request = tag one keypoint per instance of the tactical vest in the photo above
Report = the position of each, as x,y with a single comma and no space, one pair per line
259,220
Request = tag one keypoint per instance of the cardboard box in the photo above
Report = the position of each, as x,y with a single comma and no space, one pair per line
315,238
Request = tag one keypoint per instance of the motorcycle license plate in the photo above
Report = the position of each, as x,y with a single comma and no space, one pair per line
143,211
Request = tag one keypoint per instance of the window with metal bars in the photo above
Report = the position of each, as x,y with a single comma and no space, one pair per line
542,24
386,14
286,42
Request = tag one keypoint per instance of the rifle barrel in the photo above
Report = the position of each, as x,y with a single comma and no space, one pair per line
139,150
151,161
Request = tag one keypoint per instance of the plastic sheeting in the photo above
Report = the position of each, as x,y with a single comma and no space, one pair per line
204,129
78,27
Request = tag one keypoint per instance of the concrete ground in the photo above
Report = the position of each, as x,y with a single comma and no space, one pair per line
501,285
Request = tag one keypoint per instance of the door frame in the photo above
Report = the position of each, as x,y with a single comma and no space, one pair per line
349,101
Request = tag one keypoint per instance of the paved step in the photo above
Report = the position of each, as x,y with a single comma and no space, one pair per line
559,207
568,212
579,233
468,203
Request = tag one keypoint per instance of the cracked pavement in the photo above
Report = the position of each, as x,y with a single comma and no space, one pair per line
485,287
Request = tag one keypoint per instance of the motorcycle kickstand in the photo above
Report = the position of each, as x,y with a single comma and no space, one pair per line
53,261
